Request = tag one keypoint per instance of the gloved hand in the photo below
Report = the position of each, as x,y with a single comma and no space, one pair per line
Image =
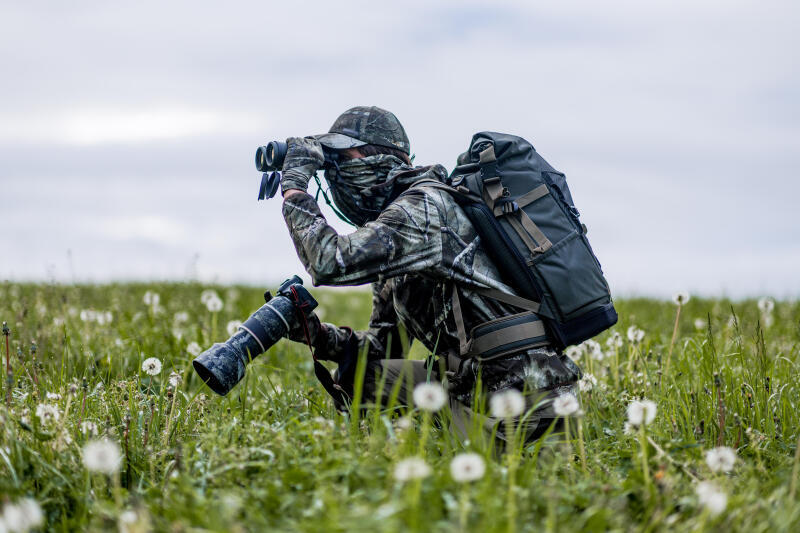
315,330
303,158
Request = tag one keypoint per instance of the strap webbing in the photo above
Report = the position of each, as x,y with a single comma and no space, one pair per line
535,232
531,196
526,238
510,299
520,332
463,342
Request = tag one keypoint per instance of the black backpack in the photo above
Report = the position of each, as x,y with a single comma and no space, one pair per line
523,212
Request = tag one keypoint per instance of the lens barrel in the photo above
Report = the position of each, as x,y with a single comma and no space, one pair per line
271,156
222,366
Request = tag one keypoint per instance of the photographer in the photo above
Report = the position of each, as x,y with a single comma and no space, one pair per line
425,262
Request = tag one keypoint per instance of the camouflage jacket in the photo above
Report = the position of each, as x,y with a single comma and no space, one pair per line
414,254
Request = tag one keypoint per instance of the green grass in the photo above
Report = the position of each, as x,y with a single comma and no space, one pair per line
275,455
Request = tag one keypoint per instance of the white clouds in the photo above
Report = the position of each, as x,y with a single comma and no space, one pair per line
645,106
120,125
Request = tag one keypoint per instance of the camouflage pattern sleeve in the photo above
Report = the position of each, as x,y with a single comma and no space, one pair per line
384,338
405,238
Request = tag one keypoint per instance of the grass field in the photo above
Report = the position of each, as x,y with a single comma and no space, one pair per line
275,455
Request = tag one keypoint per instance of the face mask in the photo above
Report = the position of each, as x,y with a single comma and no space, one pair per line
362,188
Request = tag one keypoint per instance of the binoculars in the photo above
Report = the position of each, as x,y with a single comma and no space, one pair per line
271,156
222,366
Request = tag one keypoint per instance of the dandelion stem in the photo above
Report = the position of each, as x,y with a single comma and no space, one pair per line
674,336
645,467
795,471
581,447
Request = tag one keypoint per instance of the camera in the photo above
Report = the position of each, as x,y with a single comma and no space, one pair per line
222,366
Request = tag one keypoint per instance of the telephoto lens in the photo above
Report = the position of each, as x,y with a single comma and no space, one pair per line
271,156
222,366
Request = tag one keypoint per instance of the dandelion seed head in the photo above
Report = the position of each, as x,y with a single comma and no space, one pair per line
466,467
151,366
47,414
507,404
574,352
721,459
404,423
180,317
194,349
587,383
411,468
233,327
214,304
22,516
711,497
681,298
635,334
174,379
151,299
89,428
766,305
53,396
429,396
101,456
641,412
614,341
566,405
699,323
207,295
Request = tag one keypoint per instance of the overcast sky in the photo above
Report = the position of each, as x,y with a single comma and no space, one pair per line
127,130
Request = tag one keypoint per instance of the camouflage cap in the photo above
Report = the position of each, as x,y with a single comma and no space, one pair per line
366,125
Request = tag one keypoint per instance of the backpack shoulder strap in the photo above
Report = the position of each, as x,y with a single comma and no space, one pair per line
458,192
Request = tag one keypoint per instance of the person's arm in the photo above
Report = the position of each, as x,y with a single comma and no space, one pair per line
405,238
384,338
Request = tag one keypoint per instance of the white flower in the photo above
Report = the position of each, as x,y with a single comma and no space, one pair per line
181,317
587,383
174,380
151,299
635,335
641,412
88,315
53,396
711,497
47,414
574,353
411,468
89,428
614,341
101,456
766,305
628,428
699,323
721,459
151,366
127,519
22,516
429,396
565,405
680,298
404,423
207,295
592,349
233,326
214,304
467,467
506,404
194,349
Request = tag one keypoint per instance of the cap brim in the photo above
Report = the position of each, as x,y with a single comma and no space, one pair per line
338,141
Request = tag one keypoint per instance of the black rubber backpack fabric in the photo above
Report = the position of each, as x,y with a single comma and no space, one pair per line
523,212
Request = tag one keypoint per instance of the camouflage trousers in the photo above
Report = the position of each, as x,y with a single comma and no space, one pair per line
394,381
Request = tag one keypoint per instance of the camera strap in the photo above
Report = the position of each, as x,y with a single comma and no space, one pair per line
338,394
